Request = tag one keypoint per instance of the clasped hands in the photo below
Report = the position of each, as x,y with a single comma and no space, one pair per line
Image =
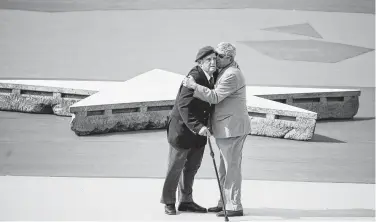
189,82
204,131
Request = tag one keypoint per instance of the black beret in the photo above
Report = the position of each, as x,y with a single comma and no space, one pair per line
205,51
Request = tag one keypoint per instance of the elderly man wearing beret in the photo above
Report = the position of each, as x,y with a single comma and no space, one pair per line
229,122
187,132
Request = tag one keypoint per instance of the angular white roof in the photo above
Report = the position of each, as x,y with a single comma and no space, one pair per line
160,85
155,85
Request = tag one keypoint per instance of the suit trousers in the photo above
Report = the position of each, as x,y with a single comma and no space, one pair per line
230,171
183,165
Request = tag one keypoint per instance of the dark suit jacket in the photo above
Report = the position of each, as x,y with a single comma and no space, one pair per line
189,115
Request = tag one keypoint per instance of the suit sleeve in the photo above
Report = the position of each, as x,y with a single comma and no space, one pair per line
224,88
185,106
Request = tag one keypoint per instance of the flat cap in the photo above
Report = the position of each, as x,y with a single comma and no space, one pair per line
205,51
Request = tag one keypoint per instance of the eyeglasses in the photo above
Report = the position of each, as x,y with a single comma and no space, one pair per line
221,56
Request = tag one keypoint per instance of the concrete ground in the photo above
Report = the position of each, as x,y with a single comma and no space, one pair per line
53,199
43,145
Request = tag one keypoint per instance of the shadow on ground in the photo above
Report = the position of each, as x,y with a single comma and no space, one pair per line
317,138
131,132
355,119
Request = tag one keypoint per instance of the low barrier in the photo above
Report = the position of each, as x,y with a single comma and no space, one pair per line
40,99
327,105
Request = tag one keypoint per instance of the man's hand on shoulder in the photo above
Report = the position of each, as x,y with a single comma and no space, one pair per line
190,82
204,131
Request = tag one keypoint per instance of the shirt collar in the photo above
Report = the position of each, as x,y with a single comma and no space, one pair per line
207,75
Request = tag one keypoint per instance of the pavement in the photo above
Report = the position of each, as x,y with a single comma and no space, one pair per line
44,145
48,173
97,199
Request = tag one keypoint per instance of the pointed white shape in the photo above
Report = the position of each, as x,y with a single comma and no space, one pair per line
160,85
299,29
154,85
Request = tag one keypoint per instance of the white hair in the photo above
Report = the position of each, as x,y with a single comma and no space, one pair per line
226,48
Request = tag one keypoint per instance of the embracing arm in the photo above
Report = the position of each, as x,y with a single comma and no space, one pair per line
224,88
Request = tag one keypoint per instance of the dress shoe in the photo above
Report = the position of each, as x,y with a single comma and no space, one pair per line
170,209
231,213
215,209
191,207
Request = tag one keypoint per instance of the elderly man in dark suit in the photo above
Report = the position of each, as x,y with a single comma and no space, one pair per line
186,132
230,124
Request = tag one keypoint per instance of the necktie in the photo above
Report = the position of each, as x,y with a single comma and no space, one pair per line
211,82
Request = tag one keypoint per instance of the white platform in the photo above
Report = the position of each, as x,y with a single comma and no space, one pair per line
155,85
49,198
161,85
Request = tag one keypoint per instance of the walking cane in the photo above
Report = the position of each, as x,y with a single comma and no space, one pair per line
219,183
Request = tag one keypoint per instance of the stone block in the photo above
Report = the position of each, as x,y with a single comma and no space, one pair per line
327,103
46,96
137,104
121,119
274,119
